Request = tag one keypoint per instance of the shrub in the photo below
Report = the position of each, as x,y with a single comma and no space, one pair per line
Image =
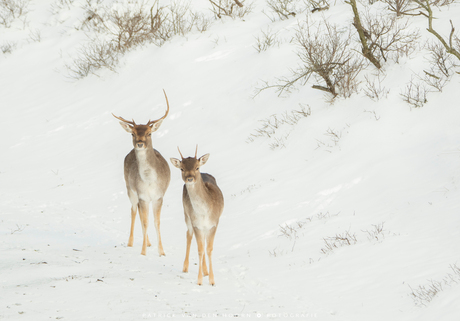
12,9
327,56
121,27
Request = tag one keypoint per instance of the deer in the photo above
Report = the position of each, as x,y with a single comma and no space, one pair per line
203,204
147,176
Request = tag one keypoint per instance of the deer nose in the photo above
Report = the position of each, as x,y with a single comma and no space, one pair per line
190,179
140,145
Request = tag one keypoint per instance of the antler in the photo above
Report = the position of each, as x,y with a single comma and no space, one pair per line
124,120
167,111
180,152
196,150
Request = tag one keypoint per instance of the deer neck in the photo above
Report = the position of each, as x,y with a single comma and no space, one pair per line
146,163
198,190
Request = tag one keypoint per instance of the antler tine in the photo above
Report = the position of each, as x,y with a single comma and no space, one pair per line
180,152
124,120
196,150
167,112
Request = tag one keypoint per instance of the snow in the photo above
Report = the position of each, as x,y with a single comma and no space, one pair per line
65,215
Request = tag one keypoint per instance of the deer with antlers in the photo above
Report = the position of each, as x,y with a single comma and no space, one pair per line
147,177
203,204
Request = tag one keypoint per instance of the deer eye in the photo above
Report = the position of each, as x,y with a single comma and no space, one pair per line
149,134
197,168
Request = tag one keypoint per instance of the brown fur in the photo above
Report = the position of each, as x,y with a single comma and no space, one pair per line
147,177
203,205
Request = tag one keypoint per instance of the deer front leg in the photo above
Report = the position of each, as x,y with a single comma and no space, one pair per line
205,267
189,236
144,215
187,251
134,205
133,220
200,240
157,212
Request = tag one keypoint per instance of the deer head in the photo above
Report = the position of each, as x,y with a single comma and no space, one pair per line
142,133
190,166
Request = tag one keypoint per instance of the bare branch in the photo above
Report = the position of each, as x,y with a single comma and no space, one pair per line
425,4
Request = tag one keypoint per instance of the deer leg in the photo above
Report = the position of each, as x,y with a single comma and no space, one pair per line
205,267
157,212
146,234
200,240
148,241
134,204
189,236
144,215
133,220
210,246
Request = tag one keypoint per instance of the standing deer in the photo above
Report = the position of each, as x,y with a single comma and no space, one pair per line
203,204
147,177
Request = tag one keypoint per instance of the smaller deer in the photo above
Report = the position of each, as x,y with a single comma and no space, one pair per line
203,204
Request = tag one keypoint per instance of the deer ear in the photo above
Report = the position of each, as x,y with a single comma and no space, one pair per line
203,159
127,127
156,125
175,162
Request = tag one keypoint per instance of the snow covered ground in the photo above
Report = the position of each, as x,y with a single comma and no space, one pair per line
380,175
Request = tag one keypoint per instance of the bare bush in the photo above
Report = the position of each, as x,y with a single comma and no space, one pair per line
403,7
270,125
441,3
231,8
326,55
317,5
122,27
35,35
93,56
383,36
424,294
442,66
415,94
285,9
374,88
337,241
94,13
7,47
266,40
452,45
129,27
133,25
377,233
12,9
389,37
59,5
201,21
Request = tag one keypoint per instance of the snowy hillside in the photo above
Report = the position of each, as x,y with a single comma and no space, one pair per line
342,210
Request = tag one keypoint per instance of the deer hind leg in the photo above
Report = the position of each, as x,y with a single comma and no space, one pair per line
144,215
157,212
189,235
200,240
210,245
